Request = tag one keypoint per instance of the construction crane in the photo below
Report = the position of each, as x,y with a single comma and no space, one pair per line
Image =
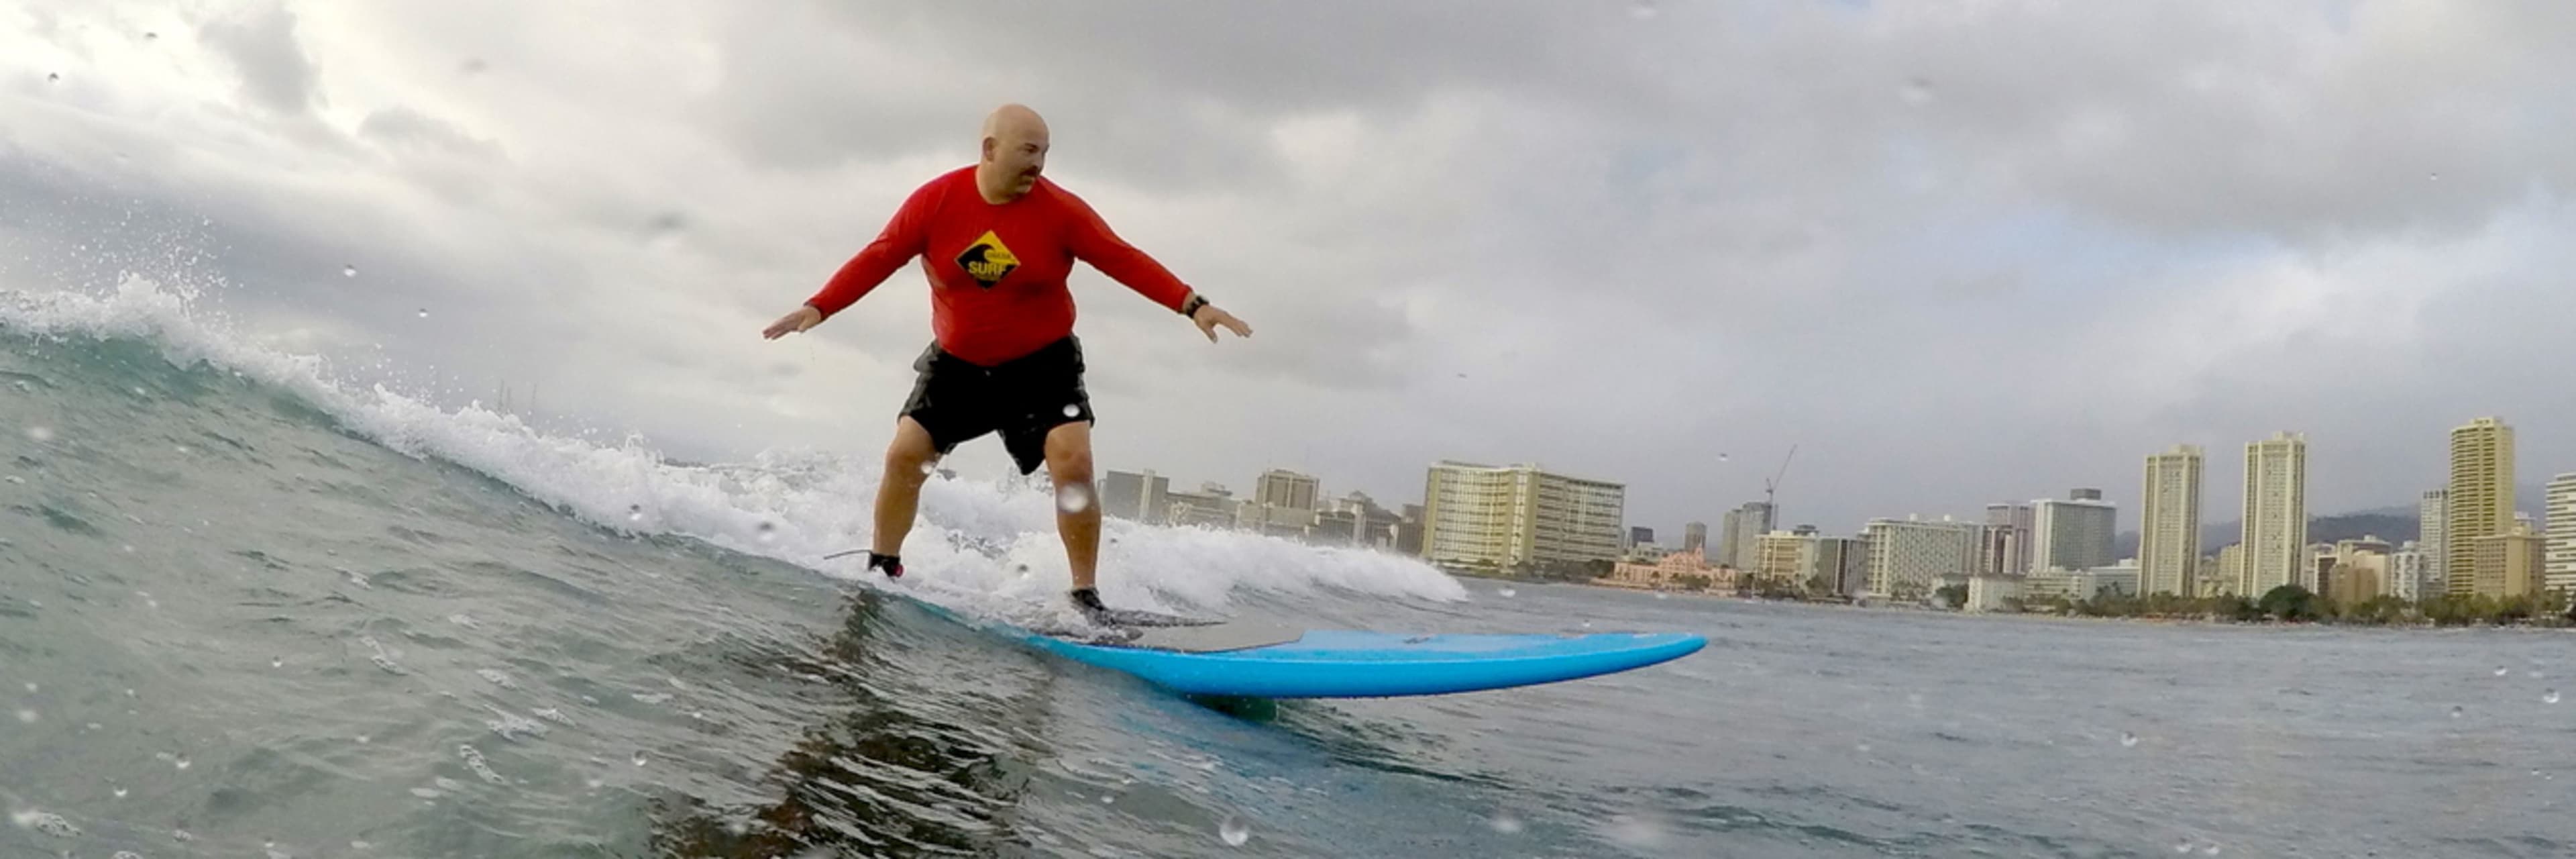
1771,488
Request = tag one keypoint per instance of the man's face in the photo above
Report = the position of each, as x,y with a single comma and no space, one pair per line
1019,155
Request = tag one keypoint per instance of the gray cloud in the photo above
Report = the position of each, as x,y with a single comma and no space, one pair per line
261,43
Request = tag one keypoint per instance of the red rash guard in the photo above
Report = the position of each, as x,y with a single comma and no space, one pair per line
997,272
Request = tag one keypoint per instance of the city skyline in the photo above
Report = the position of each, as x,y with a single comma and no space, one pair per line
1520,519
2127,526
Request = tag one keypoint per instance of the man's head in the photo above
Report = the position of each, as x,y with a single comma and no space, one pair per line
1015,148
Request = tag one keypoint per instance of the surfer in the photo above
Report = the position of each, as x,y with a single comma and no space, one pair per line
997,240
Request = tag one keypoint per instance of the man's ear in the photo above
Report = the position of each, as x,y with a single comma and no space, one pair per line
989,143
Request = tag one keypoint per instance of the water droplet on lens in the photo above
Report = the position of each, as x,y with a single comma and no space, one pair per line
277,662
1507,592
1072,499
1073,411
27,716
348,271
2455,711
181,762
2128,739
1917,91
2184,847
2550,697
53,77
2502,671
120,793
46,822
1505,824
1233,830
1637,831
40,434
639,759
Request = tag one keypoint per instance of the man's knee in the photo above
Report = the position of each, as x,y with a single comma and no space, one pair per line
1068,453
910,455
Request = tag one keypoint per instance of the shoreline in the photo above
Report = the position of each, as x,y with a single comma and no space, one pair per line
2157,620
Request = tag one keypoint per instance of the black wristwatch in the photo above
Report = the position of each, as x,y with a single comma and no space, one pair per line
1191,307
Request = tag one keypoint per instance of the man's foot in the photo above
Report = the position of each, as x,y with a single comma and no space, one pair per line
1088,600
893,566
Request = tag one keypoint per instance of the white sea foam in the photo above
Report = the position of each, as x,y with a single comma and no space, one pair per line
981,545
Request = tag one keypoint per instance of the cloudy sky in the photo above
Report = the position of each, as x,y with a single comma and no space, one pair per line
1953,252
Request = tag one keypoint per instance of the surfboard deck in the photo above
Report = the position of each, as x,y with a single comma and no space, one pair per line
1268,660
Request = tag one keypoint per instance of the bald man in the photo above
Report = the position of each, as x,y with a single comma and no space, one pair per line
998,240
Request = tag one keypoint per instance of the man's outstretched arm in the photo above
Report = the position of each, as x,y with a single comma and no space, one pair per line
903,238
1093,242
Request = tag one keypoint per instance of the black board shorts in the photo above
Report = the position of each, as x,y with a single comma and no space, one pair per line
1022,399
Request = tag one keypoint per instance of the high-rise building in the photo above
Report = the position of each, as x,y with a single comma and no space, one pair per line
1408,531
2560,573
1280,487
1212,506
1835,566
2506,565
1777,559
2073,533
2481,498
2169,522
2276,516
2406,571
2430,516
1499,517
1744,529
1695,537
2016,523
1996,547
2231,570
1134,495
1640,535
1908,559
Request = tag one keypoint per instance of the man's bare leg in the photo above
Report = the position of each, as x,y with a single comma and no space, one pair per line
907,465
1068,462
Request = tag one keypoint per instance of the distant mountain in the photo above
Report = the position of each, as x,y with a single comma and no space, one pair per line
2321,529
2395,524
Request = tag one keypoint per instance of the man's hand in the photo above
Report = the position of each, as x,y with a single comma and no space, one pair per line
1209,317
805,317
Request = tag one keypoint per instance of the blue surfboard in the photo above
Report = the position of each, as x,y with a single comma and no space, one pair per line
1259,659
1363,664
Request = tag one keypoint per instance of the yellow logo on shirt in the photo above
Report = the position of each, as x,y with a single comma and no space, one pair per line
987,260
